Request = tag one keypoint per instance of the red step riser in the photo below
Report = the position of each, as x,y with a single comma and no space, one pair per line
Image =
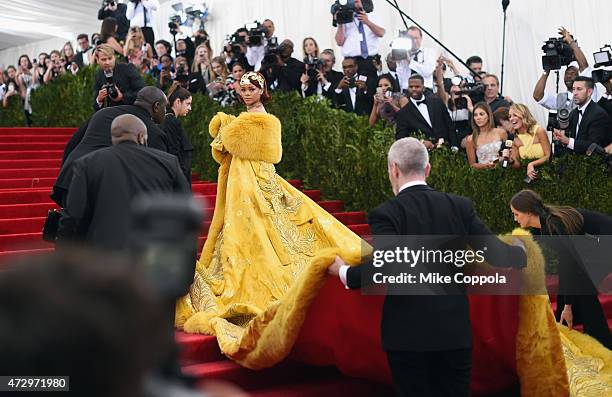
21,225
34,163
34,138
30,146
14,242
31,155
25,210
25,196
37,130
29,173
27,183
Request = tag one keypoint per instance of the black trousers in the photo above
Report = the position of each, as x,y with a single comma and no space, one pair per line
149,36
431,374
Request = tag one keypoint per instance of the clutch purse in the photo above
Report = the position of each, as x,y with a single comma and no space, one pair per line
49,232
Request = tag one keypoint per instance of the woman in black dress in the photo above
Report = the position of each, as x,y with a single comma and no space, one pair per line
577,301
179,102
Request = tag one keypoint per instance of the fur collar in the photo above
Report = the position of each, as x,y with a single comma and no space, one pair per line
250,136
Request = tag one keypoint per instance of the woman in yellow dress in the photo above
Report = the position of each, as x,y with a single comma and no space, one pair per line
531,141
267,241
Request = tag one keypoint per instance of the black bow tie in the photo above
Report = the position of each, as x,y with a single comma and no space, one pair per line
580,112
420,102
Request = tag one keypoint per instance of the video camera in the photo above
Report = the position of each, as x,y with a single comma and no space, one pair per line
557,53
603,57
475,88
402,46
256,33
343,11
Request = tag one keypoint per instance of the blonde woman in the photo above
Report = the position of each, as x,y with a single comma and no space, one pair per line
201,63
483,145
135,39
530,142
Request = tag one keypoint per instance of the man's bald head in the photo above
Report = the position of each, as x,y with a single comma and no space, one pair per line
153,100
128,127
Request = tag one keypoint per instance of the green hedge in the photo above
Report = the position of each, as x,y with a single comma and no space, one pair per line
12,115
340,154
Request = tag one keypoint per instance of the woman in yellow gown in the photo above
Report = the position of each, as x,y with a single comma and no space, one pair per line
264,235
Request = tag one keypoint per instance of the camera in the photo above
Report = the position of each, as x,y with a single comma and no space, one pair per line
343,11
273,51
603,57
313,66
476,88
175,22
107,3
256,33
110,86
557,53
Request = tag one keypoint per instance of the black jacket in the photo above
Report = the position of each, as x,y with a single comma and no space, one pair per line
363,101
286,77
79,57
123,24
409,120
595,126
333,76
179,143
97,136
126,78
105,182
432,322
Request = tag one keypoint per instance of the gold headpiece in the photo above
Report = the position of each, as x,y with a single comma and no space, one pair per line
250,77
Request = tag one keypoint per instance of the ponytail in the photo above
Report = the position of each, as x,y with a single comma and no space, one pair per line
530,202
175,92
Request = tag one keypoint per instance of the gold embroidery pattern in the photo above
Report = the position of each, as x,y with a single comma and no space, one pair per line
584,374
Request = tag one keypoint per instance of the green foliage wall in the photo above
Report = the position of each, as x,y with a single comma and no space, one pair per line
340,154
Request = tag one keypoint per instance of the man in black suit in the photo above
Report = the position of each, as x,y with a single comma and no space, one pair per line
588,123
150,107
282,72
325,80
98,206
82,57
427,337
424,113
352,93
124,76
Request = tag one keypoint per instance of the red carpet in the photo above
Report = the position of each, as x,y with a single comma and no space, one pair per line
29,162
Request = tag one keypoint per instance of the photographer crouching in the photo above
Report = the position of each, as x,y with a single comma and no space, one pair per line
282,72
115,83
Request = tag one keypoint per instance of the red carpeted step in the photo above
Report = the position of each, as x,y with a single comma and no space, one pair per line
37,130
30,163
21,225
29,146
10,256
38,138
25,196
360,230
37,182
332,205
314,195
10,211
22,241
197,348
351,218
31,154
11,173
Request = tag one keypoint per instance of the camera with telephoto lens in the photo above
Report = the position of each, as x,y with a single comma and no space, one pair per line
175,21
476,88
273,51
313,66
110,86
557,53
343,11
256,33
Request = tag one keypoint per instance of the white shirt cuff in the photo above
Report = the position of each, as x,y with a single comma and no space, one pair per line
570,144
338,91
342,274
326,86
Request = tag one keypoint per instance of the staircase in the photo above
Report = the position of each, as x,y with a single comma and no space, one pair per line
29,162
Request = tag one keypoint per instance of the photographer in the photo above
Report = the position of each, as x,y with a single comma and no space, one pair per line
135,40
201,63
217,88
11,85
108,32
458,103
112,8
563,100
282,72
421,60
115,83
474,63
351,94
606,99
255,53
491,93
360,39
55,69
83,57
386,102
166,75
141,14
320,79
27,82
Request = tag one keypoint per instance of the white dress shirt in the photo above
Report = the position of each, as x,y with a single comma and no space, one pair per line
581,110
424,65
344,268
352,42
422,109
549,100
135,13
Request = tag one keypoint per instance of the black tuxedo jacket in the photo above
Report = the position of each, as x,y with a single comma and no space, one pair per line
595,126
333,76
431,322
363,101
126,77
105,182
97,136
409,120
79,57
